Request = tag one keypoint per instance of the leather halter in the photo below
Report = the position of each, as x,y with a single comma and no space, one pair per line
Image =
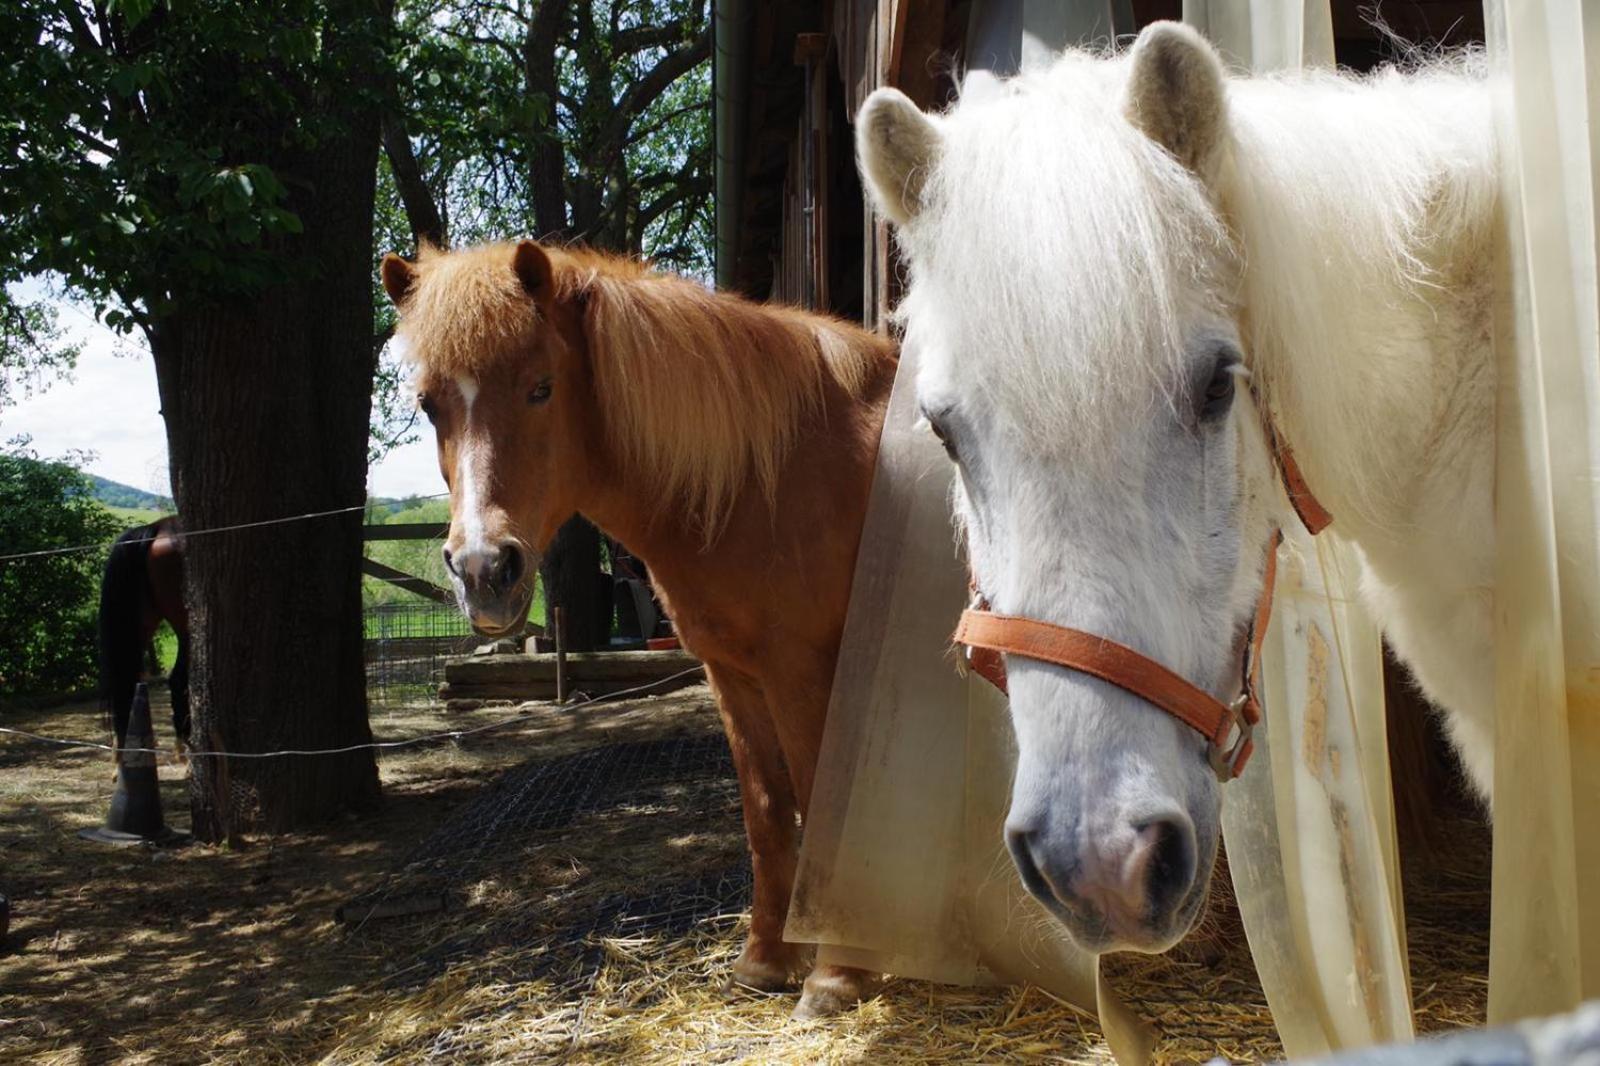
1227,727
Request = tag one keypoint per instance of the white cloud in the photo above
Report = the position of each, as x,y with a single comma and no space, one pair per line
110,407
410,470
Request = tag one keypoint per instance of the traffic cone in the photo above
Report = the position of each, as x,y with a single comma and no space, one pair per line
135,815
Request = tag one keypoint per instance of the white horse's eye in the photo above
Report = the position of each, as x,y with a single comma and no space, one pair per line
943,435
1219,390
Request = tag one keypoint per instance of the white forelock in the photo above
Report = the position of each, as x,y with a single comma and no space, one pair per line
1057,252
1061,253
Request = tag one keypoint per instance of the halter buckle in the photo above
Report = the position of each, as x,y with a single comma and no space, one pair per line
975,602
1228,762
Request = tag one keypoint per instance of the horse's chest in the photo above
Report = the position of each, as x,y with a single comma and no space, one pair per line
723,629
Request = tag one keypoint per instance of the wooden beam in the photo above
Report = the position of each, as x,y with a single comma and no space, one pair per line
406,531
400,579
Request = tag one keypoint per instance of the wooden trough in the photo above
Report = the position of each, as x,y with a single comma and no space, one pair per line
472,682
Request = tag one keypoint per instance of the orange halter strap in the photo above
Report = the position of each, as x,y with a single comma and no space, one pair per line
1227,727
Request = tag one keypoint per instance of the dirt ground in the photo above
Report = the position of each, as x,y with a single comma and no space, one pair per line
207,955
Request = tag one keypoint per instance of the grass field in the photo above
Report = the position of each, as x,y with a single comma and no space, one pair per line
135,516
420,558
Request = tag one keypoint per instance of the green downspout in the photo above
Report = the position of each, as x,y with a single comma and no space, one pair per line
730,81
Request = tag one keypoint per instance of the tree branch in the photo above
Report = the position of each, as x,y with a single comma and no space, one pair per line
89,140
685,189
639,38
642,93
81,34
505,46
637,134
427,225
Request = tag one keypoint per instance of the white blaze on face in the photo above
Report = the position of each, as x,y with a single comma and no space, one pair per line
471,474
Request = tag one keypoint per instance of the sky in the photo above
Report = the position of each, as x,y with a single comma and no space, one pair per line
109,406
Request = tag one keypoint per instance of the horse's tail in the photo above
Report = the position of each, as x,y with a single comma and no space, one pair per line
122,599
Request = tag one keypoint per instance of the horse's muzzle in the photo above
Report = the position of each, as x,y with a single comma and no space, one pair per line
494,585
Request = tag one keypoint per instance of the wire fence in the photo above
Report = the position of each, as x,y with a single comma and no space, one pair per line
665,780
406,648
185,534
375,745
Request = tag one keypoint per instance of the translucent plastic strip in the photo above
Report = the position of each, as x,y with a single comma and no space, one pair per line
1545,926
1310,828
902,868
1266,35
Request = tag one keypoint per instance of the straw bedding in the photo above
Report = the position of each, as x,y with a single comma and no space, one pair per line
596,898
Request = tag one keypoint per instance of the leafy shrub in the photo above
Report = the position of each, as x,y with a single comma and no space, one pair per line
48,603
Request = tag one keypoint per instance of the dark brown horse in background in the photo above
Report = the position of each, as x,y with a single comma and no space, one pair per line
143,585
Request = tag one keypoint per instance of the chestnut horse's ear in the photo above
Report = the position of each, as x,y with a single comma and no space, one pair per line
1176,94
398,277
535,271
896,146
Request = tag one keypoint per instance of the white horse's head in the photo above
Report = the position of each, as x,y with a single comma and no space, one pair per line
1070,299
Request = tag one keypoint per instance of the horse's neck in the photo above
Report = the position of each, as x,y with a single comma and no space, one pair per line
834,441
1365,216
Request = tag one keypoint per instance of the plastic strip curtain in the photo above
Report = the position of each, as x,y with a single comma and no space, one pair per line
902,867
1545,927
1310,828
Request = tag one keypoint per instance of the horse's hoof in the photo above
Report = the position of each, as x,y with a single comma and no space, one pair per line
831,990
757,976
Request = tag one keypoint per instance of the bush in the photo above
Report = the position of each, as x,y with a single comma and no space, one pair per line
48,604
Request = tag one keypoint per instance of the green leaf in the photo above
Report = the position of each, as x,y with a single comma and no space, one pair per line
133,11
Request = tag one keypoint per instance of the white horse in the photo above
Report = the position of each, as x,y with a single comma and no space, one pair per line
1101,254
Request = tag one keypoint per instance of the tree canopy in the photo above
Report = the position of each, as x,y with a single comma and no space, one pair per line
584,120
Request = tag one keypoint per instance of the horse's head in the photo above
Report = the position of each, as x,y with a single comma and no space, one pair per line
496,351
1069,298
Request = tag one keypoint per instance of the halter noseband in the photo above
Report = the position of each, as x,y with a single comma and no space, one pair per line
1227,727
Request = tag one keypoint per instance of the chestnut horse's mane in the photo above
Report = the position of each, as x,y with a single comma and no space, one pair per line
701,391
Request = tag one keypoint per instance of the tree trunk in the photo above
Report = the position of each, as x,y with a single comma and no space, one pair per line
546,154
266,404
574,582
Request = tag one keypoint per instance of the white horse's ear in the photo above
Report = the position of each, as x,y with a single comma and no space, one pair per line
1176,94
896,146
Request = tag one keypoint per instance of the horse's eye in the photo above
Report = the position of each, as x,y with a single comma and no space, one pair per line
429,408
1219,390
540,392
943,435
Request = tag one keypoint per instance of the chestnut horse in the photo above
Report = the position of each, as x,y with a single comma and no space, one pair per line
143,586
730,445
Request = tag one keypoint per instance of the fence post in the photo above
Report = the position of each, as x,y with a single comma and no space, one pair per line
561,657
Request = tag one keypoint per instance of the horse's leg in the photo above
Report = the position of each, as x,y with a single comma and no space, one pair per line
798,704
178,688
766,963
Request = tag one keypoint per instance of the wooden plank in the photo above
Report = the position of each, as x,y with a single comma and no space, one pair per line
581,667
458,695
426,589
406,531
916,54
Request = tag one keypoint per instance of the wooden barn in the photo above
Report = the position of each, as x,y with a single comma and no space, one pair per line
791,221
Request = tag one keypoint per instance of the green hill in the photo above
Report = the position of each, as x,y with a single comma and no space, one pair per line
126,497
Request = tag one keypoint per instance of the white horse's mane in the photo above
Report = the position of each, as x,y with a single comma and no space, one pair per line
1339,192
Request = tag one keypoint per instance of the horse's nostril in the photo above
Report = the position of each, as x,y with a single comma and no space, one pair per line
450,562
1169,863
1020,843
509,569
